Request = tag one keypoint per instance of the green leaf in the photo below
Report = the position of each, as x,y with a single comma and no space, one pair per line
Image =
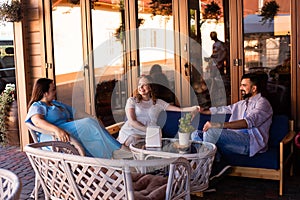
185,125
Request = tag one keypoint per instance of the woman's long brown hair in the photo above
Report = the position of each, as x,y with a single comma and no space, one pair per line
139,97
40,87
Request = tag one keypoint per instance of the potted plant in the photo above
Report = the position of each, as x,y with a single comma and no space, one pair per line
11,11
185,129
8,116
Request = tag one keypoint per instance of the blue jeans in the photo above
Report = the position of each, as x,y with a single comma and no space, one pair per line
228,140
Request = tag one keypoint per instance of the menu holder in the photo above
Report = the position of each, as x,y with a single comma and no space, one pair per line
153,136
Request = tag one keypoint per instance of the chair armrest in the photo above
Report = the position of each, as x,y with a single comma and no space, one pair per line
115,128
288,138
286,144
36,129
78,146
33,130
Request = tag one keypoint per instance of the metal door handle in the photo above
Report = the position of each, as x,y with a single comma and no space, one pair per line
85,69
187,69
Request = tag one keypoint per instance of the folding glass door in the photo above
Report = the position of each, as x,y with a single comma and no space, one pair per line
267,48
209,64
101,47
67,58
88,49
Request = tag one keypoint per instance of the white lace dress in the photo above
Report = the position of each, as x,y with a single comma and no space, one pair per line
146,113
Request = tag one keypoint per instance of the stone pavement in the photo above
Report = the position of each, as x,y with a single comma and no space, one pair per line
13,159
233,188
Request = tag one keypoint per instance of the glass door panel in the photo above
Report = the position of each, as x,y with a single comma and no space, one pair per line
267,49
7,62
209,53
108,50
67,45
156,46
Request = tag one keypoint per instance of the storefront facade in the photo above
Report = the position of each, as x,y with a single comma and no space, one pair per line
84,45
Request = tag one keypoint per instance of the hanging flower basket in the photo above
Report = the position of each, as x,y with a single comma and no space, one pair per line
212,11
119,33
11,12
269,11
161,7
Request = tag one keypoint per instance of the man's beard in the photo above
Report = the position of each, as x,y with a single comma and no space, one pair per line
246,96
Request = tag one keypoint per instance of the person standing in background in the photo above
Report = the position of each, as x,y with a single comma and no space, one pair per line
219,53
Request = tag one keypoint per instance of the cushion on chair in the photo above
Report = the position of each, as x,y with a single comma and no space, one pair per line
268,160
279,128
169,123
149,187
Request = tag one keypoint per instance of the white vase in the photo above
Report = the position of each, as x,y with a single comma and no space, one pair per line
184,138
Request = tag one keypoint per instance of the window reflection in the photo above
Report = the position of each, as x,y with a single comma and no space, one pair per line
209,29
108,49
267,49
7,62
156,45
67,45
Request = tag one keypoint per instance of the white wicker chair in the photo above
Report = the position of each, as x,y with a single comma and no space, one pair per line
10,185
34,131
65,176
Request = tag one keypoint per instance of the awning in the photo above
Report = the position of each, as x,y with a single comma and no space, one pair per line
281,25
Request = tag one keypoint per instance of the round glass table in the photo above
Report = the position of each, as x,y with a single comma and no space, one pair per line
200,154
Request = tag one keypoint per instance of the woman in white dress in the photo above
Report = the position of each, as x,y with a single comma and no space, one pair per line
142,110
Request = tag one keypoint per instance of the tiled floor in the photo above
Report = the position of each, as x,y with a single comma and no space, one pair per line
236,188
13,159
233,188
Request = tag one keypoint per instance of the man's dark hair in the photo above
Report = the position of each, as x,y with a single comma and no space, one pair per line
214,35
257,79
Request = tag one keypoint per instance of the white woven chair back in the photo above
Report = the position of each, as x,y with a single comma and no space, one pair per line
65,176
10,185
